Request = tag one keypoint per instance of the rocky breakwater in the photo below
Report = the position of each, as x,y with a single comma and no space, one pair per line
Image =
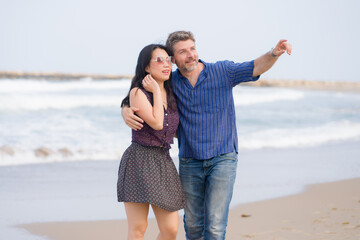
311,85
59,76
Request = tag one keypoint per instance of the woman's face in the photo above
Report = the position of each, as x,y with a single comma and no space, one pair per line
160,65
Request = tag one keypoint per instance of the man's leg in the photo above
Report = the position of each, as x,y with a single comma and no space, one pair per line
193,181
220,178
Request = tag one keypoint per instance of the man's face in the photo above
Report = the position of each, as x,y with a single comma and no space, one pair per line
186,57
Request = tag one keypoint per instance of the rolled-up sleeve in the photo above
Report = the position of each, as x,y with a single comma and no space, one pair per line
240,72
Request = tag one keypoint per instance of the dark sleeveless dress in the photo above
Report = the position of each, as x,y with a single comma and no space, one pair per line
147,173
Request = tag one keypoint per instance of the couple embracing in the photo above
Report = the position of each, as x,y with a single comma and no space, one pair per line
195,104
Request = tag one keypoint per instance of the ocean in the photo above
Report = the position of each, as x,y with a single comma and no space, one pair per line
61,143
59,121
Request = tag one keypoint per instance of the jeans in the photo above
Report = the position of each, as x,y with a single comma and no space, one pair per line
208,186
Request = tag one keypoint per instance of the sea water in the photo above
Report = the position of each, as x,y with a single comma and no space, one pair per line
57,121
61,142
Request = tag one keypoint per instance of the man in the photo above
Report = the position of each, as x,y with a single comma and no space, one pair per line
207,134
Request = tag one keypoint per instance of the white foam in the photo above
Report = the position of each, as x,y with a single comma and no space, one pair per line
37,86
113,147
101,152
100,134
255,96
40,95
58,101
28,156
300,137
33,95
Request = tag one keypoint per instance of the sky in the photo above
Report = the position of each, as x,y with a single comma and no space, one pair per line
106,36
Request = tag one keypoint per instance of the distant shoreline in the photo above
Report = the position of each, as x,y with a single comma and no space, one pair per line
298,84
59,76
307,85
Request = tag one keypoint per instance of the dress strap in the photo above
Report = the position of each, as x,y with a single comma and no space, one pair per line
149,95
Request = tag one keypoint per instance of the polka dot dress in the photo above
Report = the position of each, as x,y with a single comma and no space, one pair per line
148,175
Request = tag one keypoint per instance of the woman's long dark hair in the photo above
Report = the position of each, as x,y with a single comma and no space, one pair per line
143,61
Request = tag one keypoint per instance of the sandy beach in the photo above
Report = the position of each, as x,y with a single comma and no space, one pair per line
323,211
294,193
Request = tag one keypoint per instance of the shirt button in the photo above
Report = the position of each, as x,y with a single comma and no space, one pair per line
165,114
167,124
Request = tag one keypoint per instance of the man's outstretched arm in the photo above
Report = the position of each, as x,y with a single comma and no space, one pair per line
266,61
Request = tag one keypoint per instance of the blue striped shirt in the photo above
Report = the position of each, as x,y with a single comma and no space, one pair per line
207,113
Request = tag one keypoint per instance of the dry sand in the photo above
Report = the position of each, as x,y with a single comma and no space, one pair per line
328,211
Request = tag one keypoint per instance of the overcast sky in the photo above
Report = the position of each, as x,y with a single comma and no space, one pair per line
105,36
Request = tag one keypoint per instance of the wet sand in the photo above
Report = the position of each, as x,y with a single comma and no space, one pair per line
328,211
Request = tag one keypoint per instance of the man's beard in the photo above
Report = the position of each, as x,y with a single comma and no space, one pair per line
190,69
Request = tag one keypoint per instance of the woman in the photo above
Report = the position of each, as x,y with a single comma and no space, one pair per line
147,175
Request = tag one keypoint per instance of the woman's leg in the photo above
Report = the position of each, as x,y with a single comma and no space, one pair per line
137,219
168,223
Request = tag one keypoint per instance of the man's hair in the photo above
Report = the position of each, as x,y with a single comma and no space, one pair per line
177,37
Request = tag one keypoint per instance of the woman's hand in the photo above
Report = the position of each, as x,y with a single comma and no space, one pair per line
150,84
152,114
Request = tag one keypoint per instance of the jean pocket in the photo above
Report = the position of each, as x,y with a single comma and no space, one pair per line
184,160
229,155
230,158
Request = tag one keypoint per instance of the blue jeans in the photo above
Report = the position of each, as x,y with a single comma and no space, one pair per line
208,186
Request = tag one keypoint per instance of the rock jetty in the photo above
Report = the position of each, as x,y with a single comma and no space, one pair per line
59,76
299,84
306,84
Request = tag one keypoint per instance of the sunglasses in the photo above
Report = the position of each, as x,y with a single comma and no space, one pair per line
161,60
